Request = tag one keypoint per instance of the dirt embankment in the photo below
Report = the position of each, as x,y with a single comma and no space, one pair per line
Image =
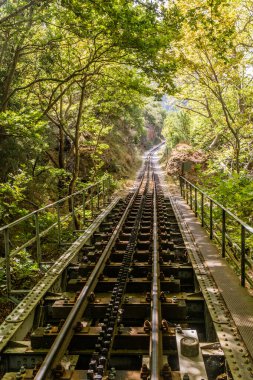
183,160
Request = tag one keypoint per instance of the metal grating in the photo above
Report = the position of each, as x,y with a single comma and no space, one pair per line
26,307
230,306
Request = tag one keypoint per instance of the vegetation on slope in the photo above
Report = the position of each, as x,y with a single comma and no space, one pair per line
78,84
212,105
75,82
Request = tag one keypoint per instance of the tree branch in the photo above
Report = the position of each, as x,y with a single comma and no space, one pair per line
19,10
192,110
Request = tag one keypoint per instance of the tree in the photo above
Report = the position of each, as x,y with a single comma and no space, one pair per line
82,70
177,128
213,78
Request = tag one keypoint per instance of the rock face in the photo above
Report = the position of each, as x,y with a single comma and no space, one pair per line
183,159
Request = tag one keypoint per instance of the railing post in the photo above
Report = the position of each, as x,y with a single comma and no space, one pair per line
187,195
84,206
196,202
223,246
37,227
98,196
59,223
211,219
103,192
7,260
202,209
73,211
106,190
109,187
243,275
191,196
181,186
91,202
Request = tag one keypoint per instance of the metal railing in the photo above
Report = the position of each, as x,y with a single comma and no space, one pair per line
67,215
233,235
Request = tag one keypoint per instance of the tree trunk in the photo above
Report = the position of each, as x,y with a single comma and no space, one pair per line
76,168
94,152
61,160
8,80
75,171
237,155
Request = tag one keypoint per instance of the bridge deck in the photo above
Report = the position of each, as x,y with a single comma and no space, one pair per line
229,304
237,298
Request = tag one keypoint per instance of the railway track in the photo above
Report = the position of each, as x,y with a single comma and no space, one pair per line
127,304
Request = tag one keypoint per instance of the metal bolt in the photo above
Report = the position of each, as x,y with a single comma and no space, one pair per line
147,326
90,374
19,376
97,377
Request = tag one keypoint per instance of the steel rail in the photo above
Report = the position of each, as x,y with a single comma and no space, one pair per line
67,331
156,335
129,252
18,317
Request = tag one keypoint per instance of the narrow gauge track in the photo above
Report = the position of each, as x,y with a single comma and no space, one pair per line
129,302
132,213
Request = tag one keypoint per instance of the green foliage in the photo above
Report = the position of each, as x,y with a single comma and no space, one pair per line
47,218
23,138
25,125
153,119
12,194
24,270
234,192
214,89
74,81
75,77
154,114
213,79
177,128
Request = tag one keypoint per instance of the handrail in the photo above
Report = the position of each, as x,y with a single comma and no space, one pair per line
245,225
96,190
23,218
185,186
